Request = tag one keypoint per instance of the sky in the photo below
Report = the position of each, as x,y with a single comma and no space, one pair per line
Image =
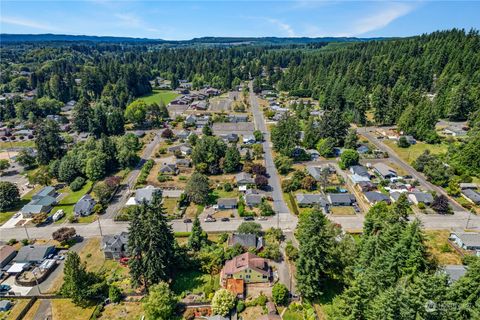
182,20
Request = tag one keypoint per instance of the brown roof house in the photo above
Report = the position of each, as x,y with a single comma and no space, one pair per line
7,253
248,267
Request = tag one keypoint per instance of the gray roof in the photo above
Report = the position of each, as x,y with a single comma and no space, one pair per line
227,201
85,205
465,185
374,196
472,195
384,170
244,177
246,240
469,239
253,199
360,170
341,198
310,198
115,243
314,171
44,201
33,253
146,194
169,168
454,272
424,197
33,208
46,191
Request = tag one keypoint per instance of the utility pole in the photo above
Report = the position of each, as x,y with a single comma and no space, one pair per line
26,232
99,226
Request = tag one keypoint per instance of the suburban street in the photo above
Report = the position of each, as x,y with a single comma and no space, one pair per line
279,204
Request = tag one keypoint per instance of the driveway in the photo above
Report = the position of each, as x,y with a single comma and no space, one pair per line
279,204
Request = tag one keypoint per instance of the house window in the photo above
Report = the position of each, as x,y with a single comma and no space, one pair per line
247,276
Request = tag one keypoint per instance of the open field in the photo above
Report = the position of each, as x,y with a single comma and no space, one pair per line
17,144
342,211
69,201
411,153
159,95
440,248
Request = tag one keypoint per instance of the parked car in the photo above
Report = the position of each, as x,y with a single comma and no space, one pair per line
16,215
249,218
187,220
210,219
225,219
262,218
5,287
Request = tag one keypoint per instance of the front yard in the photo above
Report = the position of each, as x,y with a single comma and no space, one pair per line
68,201
440,248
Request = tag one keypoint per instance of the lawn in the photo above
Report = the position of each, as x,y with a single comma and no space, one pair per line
438,246
17,144
193,281
170,205
411,153
342,211
124,310
31,312
5,216
64,309
69,201
159,95
252,313
292,315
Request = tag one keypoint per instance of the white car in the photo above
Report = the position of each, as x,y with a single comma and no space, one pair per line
16,215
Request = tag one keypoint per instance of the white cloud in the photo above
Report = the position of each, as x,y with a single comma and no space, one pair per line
26,23
380,19
282,26
128,19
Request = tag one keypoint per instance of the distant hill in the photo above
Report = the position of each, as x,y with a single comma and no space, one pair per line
8,38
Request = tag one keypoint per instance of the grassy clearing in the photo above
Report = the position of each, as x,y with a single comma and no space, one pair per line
17,144
292,315
438,246
159,95
252,313
64,309
170,205
124,310
67,203
194,282
220,193
411,153
342,211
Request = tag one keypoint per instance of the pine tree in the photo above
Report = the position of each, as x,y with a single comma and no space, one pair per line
197,237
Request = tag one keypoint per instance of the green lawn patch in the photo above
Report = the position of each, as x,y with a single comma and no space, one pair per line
159,95
292,315
70,200
170,205
411,153
192,281
17,144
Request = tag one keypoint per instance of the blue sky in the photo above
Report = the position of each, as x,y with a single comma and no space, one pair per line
189,19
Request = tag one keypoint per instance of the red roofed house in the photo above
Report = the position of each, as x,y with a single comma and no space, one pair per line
248,267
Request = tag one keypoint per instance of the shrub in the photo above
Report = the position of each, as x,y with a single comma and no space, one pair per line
280,294
240,306
77,184
164,178
227,187
421,205
114,294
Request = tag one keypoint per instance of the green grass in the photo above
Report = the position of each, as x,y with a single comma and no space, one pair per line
17,144
411,153
292,315
194,282
170,205
69,201
159,95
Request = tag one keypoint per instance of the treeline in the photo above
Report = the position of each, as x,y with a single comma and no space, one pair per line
412,82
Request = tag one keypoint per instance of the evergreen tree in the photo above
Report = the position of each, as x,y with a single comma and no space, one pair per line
197,238
49,143
231,162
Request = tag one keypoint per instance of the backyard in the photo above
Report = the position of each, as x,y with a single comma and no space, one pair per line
411,153
159,95
67,203
438,246
193,281
124,310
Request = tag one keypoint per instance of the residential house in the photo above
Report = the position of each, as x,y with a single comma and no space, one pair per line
191,120
184,163
454,132
253,198
471,195
420,197
341,199
169,169
226,203
454,272
7,253
249,139
360,171
199,105
247,266
185,150
384,171
315,171
395,195
375,197
238,118
244,178
310,200
246,240
184,134
410,139
314,154
42,202
236,286
365,186
362,149
115,247
229,137
466,240
144,194
33,253
84,206
356,179
465,185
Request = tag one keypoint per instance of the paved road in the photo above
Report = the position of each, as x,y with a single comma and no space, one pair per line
368,133
279,204
119,200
